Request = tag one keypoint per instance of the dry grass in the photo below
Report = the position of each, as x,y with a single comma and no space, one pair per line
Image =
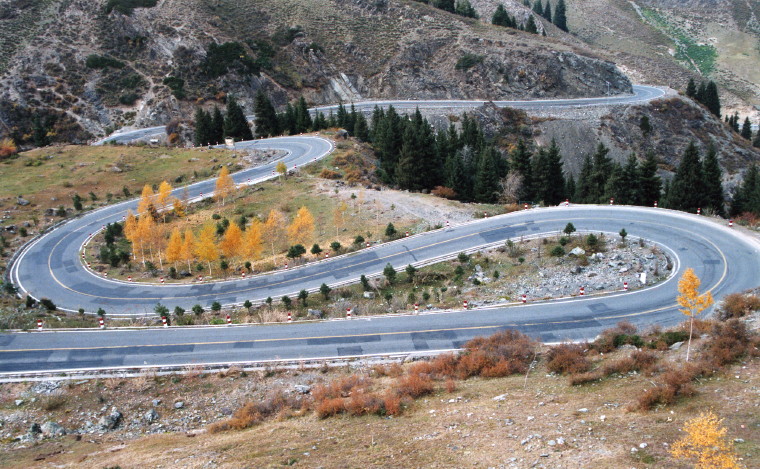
738,305
568,358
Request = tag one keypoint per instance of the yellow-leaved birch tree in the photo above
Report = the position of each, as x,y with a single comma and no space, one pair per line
232,242
174,248
252,242
274,228
146,200
301,231
691,302
187,254
163,199
706,444
205,248
225,186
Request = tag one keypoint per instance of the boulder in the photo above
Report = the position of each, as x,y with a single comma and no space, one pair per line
302,388
179,405
150,416
21,201
370,295
51,429
676,346
577,251
110,421
317,313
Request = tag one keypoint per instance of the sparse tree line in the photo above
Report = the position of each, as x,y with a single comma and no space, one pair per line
559,18
213,127
458,7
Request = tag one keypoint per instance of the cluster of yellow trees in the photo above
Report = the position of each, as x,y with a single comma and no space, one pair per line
241,243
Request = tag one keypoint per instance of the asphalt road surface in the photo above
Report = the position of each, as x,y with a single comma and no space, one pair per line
725,260
641,93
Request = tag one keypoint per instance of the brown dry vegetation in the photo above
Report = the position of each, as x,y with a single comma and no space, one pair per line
438,428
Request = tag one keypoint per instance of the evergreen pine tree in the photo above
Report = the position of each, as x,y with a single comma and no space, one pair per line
570,188
531,26
455,177
691,89
521,163
747,129
713,182
701,93
747,196
361,130
342,116
756,141
407,167
560,16
735,122
286,121
538,7
612,184
266,116
712,100
235,123
548,12
387,143
320,122
448,5
583,190
650,184
628,184
464,8
553,178
303,118
501,17
687,190
540,175
378,116
602,170
39,134
471,134
202,134
217,126
486,179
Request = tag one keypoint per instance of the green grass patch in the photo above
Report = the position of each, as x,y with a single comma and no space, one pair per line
687,49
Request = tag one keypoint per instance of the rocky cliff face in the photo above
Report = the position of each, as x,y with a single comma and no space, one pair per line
83,72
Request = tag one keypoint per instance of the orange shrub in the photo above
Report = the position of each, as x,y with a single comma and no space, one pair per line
329,174
444,192
568,358
414,386
7,148
330,407
392,403
738,305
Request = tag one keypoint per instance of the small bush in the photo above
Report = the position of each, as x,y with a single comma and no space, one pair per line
738,305
101,61
48,304
558,251
468,61
414,386
254,413
329,174
568,359
444,192
330,407
54,402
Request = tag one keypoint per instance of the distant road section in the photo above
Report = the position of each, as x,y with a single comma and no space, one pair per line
640,94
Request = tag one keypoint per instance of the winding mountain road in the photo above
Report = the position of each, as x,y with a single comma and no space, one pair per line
725,260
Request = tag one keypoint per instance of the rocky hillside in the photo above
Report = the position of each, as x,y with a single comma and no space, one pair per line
87,67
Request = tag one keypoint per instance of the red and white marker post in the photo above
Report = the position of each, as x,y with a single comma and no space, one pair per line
163,320
625,286
286,265
699,211
327,255
526,206
655,204
39,325
524,298
407,234
129,278
448,225
243,274
102,322
290,317
348,313
567,202
416,308
162,280
583,291
612,201
229,320
731,222
464,303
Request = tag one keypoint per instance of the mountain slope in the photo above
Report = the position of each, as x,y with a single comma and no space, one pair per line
85,71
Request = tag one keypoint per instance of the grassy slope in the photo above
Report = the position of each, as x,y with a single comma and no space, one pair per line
459,429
